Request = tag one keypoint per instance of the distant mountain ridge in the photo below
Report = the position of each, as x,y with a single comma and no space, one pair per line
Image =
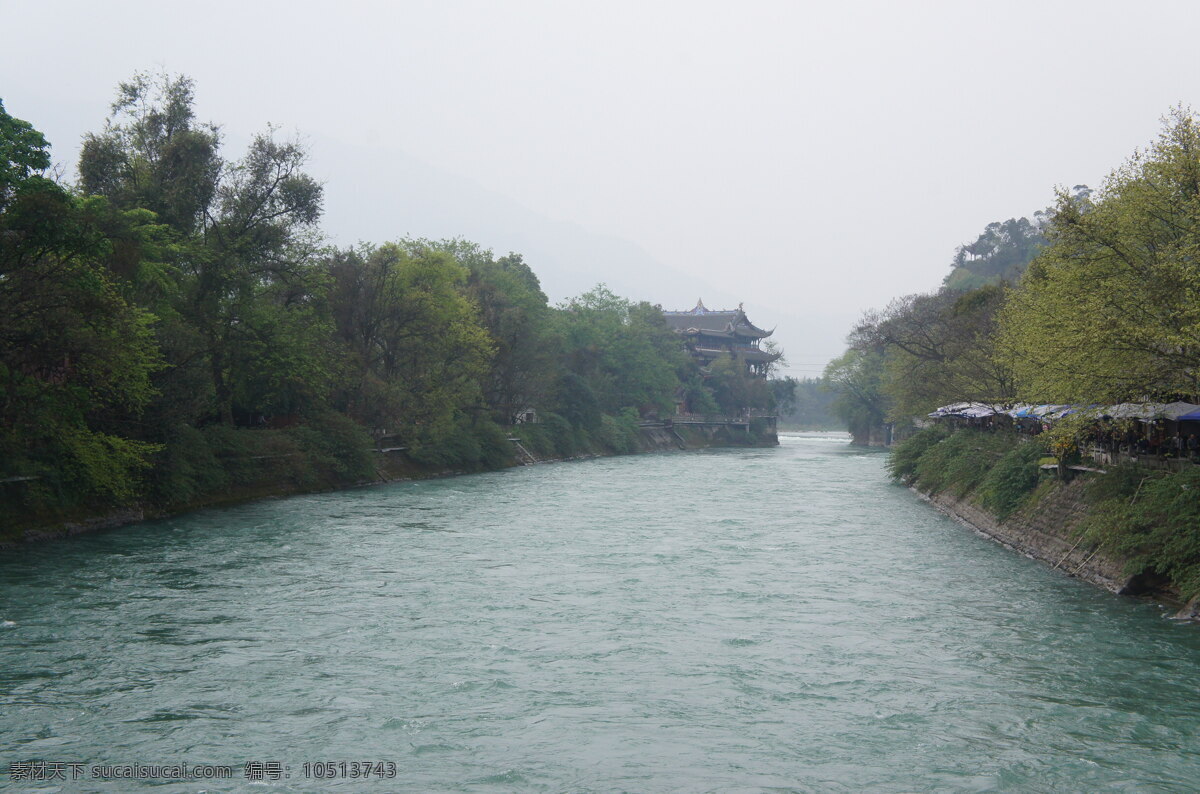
1004,249
381,193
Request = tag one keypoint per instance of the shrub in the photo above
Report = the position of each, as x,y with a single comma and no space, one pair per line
959,462
186,469
1121,483
466,444
536,438
496,451
449,445
1153,519
336,447
904,458
561,433
618,434
1006,486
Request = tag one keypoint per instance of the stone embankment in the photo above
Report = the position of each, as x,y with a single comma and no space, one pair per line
1048,529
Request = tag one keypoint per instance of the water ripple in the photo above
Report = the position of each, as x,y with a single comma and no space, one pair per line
721,620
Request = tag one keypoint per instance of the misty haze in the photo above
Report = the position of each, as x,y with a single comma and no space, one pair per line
576,397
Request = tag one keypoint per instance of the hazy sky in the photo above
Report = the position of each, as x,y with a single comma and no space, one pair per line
813,160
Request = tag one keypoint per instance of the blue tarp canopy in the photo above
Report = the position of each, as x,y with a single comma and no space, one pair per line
1177,410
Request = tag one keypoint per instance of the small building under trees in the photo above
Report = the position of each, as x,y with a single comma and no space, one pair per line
710,334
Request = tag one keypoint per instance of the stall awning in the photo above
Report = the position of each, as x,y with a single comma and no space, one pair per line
968,410
1177,410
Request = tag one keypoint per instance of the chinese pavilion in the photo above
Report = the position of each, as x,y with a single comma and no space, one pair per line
711,334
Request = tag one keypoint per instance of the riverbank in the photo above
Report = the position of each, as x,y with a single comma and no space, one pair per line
1051,530
1095,527
1047,530
529,446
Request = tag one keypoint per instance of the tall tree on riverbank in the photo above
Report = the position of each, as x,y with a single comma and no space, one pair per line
73,349
415,349
154,154
938,348
518,318
243,274
1111,310
618,354
861,402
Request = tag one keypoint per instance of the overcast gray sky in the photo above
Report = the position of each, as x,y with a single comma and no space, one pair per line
812,160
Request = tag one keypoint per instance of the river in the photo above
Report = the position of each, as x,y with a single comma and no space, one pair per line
718,620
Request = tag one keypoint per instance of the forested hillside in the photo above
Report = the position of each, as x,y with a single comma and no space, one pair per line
173,323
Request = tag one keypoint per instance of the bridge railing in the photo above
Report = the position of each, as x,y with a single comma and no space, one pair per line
723,419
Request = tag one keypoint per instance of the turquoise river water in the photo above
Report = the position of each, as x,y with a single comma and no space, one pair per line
724,620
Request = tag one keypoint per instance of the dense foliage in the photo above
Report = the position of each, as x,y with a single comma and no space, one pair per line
1152,518
961,462
75,351
1095,300
1110,312
174,325
1000,469
1107,311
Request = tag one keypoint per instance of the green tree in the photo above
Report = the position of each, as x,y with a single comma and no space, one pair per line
416,350
861,402
1110,310
255,279
24,156
735,389
71,347
515,312
154,154
939,348
239,325
624,352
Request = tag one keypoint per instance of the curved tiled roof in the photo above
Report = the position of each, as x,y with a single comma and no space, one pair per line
724,322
